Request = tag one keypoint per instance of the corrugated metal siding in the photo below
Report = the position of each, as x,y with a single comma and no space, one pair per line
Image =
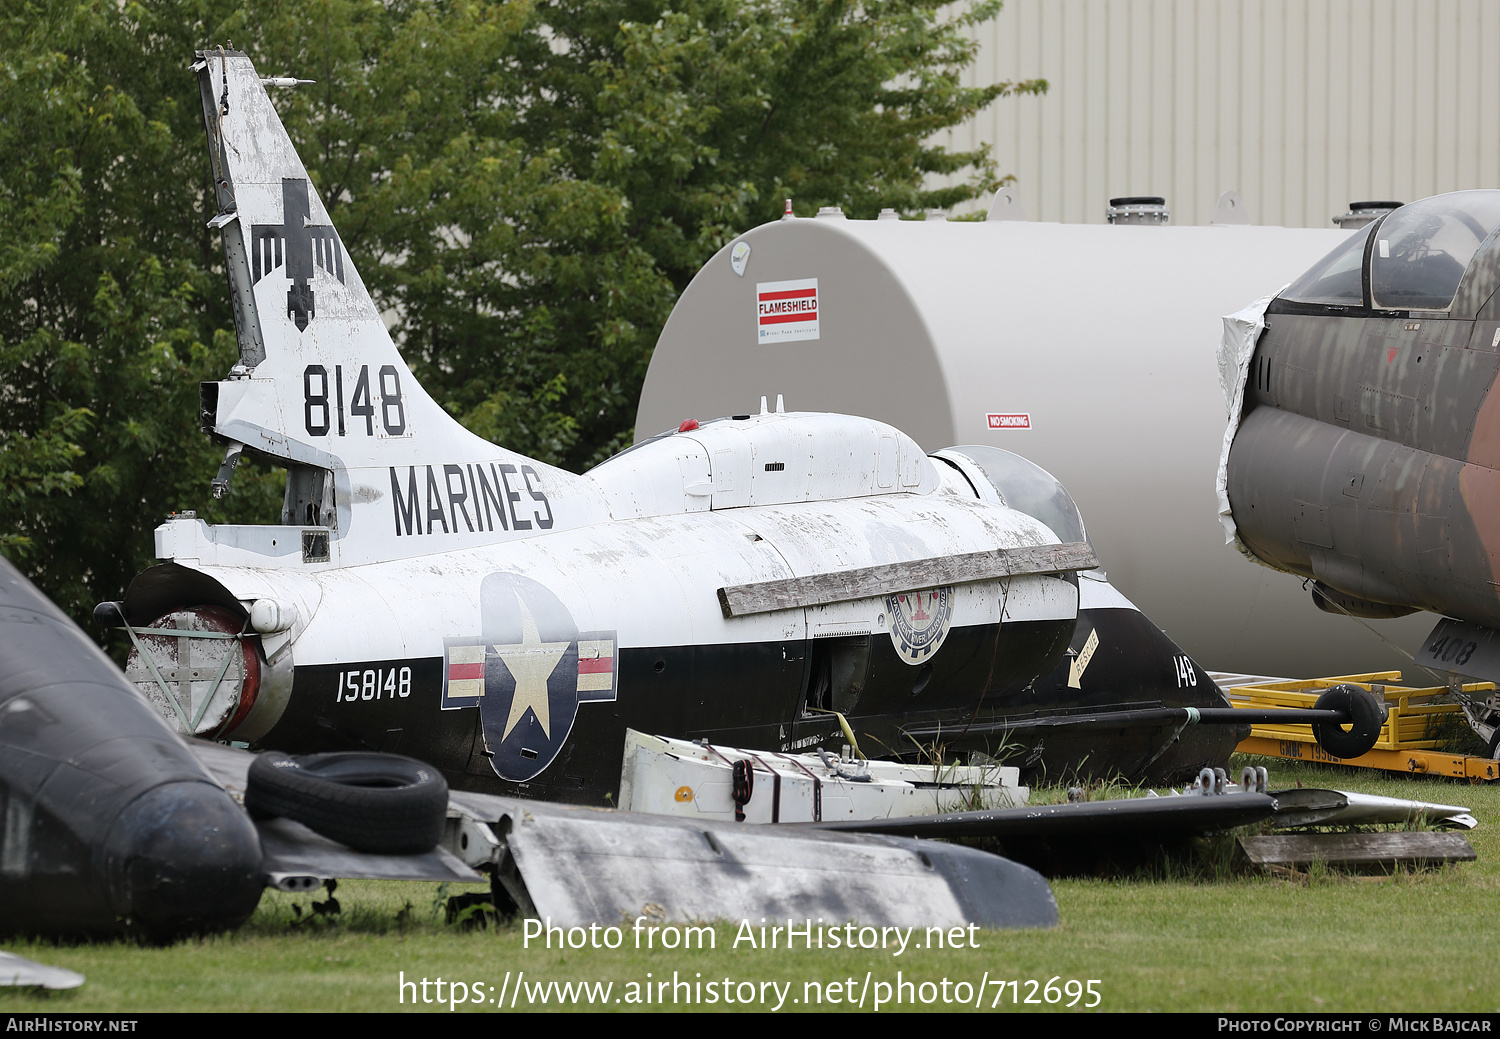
1300,105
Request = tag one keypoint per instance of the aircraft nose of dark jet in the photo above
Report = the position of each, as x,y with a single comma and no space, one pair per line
182,859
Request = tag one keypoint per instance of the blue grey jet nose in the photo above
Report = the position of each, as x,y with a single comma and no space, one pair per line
182,859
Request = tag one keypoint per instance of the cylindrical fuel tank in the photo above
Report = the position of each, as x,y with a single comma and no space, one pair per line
1089,349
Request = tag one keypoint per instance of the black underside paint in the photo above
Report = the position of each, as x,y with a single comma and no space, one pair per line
982,691
1135,666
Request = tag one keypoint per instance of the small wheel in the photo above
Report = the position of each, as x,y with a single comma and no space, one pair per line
379,803
1366,714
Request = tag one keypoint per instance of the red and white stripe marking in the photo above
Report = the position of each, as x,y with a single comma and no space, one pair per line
465,672
596,665
786,311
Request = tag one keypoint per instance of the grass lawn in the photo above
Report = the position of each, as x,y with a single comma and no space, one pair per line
1191,939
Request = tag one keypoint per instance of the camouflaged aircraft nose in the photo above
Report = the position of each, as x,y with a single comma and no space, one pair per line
1367,452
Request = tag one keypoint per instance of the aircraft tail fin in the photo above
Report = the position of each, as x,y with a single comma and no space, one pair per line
319,386
286,258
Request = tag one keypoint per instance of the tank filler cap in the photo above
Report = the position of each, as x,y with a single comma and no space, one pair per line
1362,213
1138,209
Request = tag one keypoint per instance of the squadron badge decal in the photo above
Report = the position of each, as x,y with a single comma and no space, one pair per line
299,245
527,673
919,622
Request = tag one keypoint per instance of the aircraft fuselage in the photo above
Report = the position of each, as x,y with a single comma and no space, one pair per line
1368,454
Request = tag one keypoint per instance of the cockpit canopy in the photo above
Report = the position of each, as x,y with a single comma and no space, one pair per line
1021,484
1412,259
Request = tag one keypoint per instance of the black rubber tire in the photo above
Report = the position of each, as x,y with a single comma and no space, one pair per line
1368,716
379,803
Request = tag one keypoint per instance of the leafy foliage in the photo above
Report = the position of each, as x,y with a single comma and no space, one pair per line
525,186
108,304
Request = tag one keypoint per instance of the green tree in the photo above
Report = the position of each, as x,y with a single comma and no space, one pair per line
525,303
530,186
526,186
702,116
108,306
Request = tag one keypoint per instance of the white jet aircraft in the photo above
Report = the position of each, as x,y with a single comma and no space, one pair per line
772,580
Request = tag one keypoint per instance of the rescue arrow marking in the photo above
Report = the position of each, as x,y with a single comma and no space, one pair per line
1081,662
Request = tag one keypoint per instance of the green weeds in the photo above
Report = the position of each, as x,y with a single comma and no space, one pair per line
1186,932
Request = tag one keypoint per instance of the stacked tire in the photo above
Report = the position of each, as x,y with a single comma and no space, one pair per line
383,804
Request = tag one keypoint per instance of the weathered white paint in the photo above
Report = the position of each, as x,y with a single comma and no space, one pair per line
638,547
